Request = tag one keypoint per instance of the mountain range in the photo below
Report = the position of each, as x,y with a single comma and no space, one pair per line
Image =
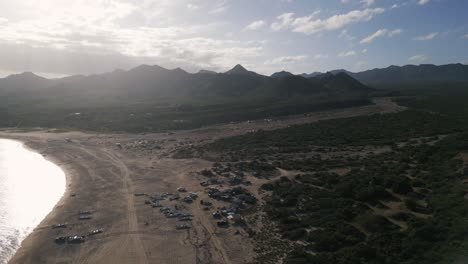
148,98
424,73
147,83
157,80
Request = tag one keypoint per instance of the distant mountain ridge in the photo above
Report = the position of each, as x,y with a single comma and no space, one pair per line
411,74
310,75
281,74
25,80
392,74
153,98
147,82
206,72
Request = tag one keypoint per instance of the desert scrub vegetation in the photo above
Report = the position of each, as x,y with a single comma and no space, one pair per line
377,129
402,205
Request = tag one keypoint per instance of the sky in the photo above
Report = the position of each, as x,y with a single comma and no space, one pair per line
57,37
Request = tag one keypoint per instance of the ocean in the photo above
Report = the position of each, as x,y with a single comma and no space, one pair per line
30,187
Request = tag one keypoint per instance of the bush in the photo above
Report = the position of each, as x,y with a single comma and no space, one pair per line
402,186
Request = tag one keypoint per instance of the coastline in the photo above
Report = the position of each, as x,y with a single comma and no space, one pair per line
46,221
31,249
104,180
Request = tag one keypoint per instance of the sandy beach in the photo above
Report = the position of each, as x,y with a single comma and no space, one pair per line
103,178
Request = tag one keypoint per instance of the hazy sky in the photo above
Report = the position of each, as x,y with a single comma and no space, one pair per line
58,37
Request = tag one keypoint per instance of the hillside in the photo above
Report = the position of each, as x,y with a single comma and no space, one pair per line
410,74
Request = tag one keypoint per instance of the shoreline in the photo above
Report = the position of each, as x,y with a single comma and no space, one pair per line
39,146
68,181
46,221
66,191
104,180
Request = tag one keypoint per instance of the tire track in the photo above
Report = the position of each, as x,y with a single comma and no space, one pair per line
133,238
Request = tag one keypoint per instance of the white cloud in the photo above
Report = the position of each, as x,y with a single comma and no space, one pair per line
423,2
418,58
220,7
320,56
429,36
186,33
380,33
218,10
465,36
395,6
345,35
255,25
116,31
286,60
347,53
286,20
369,39
308,25
395,32
367,3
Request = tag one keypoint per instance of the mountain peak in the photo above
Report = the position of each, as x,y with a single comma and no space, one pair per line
237,70
25,75
339,71
311,75
179,70
281,74
240,70
29,74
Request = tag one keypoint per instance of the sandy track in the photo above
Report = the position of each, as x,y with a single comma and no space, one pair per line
105,178
133,237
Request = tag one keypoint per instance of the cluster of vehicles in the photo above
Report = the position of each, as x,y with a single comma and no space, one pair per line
172,213
76,239
155,202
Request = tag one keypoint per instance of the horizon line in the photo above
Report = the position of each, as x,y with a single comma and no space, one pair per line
56,76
